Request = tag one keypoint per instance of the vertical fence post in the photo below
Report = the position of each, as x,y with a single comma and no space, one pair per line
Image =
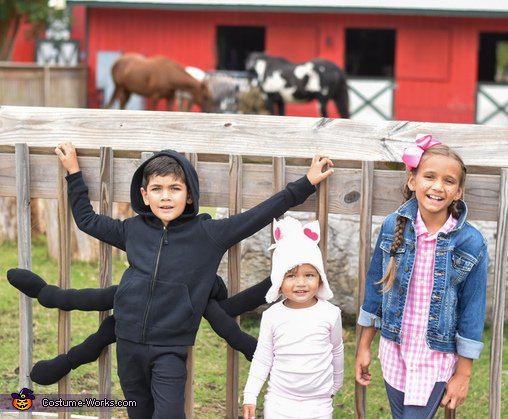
322,198
234,262
25,262
278,183
64,277
189,386
46,85
363,266
498,300
106,270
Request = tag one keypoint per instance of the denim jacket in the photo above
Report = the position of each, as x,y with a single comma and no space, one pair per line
457,306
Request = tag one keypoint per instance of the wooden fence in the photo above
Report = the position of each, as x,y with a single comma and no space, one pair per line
36,85
241,160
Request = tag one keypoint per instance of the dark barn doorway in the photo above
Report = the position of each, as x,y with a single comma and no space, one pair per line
370,52
493,57
235,43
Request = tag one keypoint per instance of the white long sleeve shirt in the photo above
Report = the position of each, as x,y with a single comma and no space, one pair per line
301,349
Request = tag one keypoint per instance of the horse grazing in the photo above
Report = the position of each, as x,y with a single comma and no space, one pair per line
185,100
285,82
157,78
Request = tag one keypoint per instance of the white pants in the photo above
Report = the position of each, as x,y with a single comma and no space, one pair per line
277,407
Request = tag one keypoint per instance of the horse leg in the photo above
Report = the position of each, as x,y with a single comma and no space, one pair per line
280,105
124,96
113,98
270,106
155,101
270,101
171,100
322,107
341,100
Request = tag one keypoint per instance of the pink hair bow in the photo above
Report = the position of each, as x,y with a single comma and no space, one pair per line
413,155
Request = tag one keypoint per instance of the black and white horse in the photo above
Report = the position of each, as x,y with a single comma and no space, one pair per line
285,82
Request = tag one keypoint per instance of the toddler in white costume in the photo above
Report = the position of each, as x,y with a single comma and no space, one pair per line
300,340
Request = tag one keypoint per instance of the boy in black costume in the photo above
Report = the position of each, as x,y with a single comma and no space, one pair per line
173,256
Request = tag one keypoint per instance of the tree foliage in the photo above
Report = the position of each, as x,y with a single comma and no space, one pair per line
13,13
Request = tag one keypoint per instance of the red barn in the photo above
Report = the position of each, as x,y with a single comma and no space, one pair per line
419,63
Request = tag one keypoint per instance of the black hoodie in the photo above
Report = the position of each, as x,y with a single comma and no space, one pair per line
164,291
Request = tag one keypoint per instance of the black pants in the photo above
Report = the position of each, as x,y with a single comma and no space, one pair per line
154,377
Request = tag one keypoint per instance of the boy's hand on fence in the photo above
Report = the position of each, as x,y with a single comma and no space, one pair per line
249,411
362,374
315,173
66,152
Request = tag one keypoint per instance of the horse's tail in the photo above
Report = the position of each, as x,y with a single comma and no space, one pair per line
342,98
112,100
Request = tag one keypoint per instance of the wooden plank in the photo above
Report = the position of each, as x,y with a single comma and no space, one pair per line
498,301
64,278
189,386
278,184
322,204
481,192
449,414
35,85
106,271
261,135
234,264
47,86
25,261
363,266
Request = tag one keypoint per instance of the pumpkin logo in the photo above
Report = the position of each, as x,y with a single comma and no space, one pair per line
23,400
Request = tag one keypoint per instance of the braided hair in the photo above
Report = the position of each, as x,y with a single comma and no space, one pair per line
441,150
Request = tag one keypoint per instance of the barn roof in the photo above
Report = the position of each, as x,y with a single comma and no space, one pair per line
493,8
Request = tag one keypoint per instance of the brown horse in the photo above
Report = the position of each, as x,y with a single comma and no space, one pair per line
157,78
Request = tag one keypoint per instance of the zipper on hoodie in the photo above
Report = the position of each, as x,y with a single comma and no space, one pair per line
163,241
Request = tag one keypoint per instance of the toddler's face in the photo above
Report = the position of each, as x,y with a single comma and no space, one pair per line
300,286
167,197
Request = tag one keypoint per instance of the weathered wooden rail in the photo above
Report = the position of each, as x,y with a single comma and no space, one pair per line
241,160
42,85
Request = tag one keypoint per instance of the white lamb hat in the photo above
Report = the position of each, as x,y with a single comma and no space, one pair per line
294,246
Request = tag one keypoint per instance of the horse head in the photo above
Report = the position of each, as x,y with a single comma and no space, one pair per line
252,60
203,97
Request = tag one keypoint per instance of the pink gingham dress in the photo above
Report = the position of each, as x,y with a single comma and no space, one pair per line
412,367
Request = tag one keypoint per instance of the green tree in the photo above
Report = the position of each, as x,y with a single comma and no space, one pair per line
13,13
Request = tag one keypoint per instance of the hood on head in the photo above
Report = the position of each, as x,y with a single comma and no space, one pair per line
191,178
294,246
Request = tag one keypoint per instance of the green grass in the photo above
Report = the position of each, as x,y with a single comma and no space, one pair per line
210,367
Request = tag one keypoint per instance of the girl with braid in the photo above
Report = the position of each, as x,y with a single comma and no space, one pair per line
425,290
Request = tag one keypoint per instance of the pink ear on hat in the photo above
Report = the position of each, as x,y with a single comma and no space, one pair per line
277,234
310,234
312,231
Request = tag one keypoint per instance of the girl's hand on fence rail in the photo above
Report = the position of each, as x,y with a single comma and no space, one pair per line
249,411
315,173
66,152
458,386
